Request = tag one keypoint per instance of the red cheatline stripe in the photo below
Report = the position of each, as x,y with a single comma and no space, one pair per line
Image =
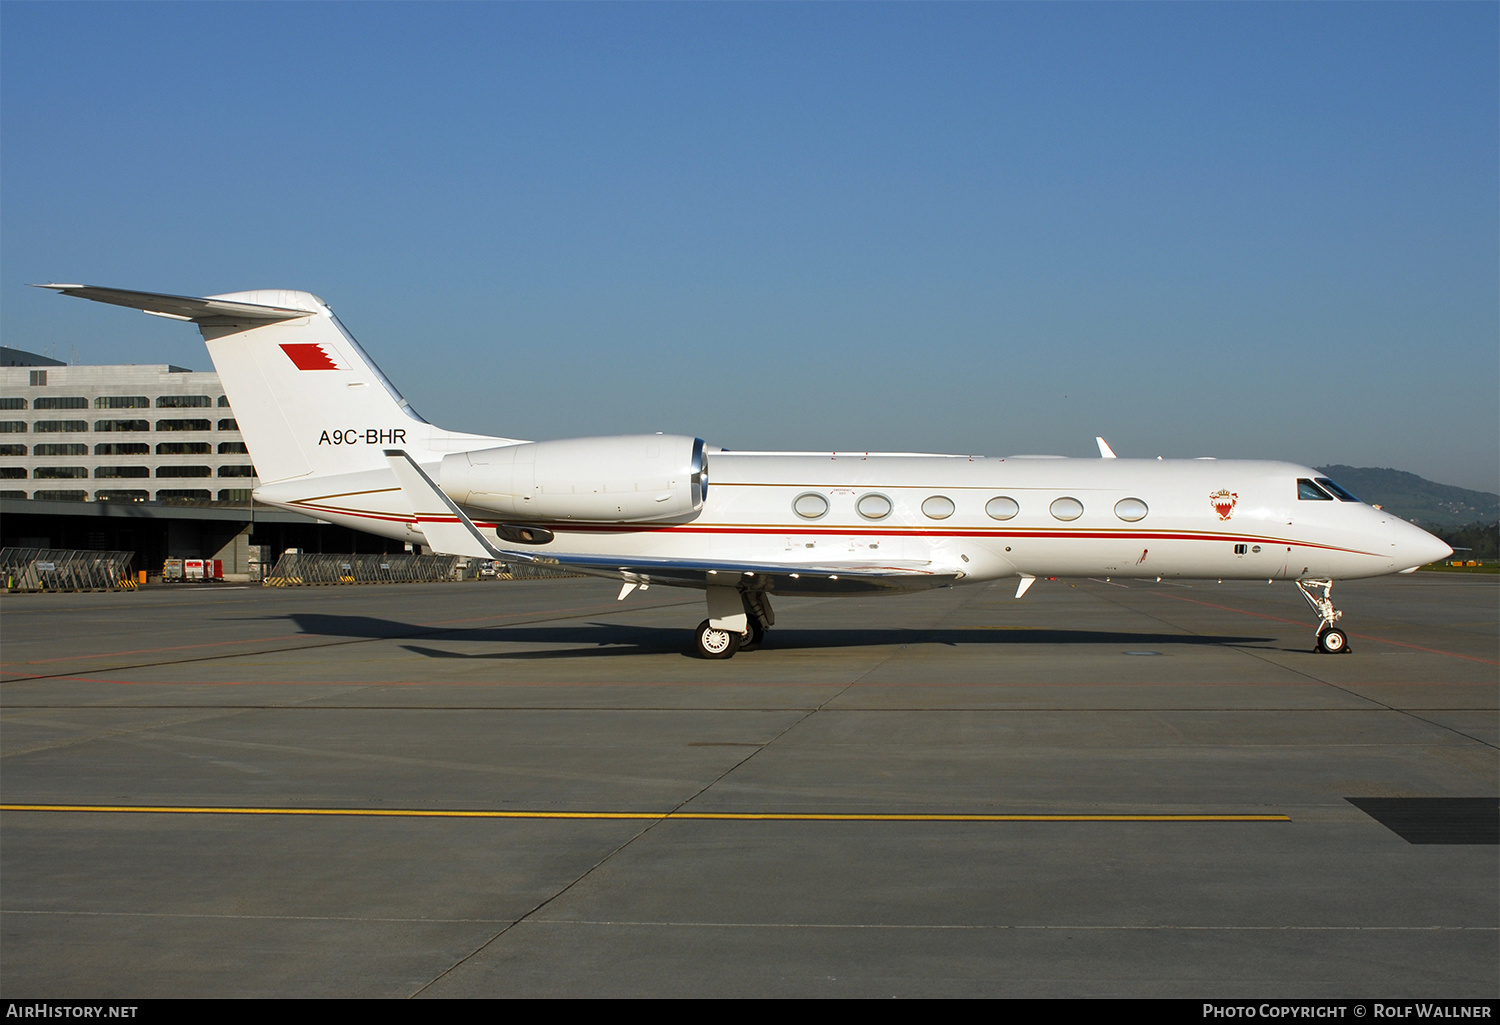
851,531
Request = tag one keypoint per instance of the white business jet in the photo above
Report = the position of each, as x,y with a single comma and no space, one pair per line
330,436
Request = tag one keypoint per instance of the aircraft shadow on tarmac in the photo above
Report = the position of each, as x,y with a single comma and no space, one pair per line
595,638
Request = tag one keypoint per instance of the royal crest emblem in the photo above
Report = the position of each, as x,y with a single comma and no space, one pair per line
1223,502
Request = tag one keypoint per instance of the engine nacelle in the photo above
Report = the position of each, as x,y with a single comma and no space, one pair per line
629,479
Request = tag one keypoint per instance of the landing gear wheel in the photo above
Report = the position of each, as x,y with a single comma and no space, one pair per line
756,635
716,643
1333,641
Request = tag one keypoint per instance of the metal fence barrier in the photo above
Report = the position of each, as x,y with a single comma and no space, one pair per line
62,569
300,570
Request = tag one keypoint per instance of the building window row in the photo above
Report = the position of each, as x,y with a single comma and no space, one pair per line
136,495
111,426
101,472
114,402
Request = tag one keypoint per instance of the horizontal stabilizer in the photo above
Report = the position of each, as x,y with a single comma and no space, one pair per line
181,307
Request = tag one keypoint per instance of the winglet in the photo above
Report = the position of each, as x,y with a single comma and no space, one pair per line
1105,452
447,529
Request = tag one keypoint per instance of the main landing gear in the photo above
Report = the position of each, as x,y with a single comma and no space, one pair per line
737,621
1332,640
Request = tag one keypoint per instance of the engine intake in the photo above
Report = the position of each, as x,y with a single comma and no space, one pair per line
638,478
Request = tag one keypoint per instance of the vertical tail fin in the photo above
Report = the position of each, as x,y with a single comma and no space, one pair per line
307,398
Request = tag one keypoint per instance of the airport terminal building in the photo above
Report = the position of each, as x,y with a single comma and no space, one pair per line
143,458
117,434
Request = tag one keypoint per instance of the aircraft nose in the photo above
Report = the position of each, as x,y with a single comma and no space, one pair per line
1415,547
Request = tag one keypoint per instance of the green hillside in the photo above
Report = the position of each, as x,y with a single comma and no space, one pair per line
1416,498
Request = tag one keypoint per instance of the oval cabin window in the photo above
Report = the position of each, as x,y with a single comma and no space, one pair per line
938,507
810,506
1131,509
1002,508
1067,508
873,506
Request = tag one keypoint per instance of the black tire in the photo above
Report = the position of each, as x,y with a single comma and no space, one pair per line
1333,641
757,635
716,644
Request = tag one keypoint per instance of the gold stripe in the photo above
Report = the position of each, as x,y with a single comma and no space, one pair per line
435,813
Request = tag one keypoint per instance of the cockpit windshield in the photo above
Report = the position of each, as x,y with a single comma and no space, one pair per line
1307,491
1343,496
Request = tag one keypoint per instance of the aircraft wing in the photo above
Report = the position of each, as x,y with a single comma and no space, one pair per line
450,531
180,307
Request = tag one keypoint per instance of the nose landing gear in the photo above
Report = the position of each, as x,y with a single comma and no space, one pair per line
1332,640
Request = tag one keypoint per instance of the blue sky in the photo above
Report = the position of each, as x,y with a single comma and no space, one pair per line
1264,230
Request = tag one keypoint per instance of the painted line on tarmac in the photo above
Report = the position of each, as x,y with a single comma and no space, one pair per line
453,813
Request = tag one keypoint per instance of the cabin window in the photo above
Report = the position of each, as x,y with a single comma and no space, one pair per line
1002,508
938,507
810,506
873,506
1343,496
1067,509
1131,509
1307,491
